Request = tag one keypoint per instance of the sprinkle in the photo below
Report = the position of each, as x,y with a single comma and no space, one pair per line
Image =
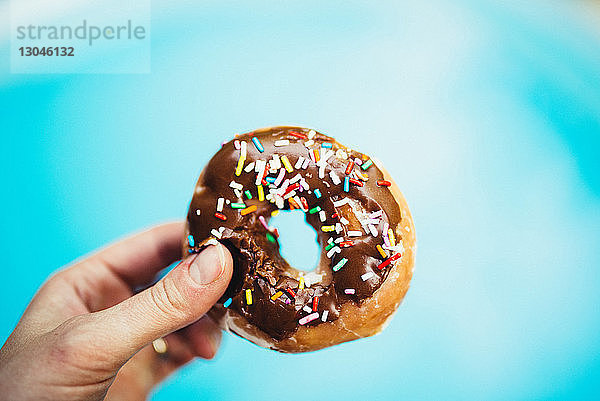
220,216
287,164
299,162
293,204
301,283
322,216
376,214
237,205
297,135
315,303
388,261
258,144
227,303
261,193
215,233
191,241
248,210
296,178
349,167
307,309
276,295
282,142
333,251
367,164
316,154
330,245
339,240
346,184
373,230
311,134
392,237
243,152
248,194
236,144
317,193
240,165
346,244
274,213
309,318
291,188
350,291
220,202
198,212
263,221
327,228
249,293
367,276
260,169
291,292
322,171
338,228
304,203
357,161
314,210
270,238
236,185
325,314
340,264
381,251
355,182
327,145
354,233
309,143
279,177
275,162
249,167
334,178
305,164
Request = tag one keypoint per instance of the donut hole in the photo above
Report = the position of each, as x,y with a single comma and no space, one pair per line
294,240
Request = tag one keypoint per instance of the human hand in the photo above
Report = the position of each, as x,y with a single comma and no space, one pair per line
85,335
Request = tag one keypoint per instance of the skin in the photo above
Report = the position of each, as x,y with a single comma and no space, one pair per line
87,334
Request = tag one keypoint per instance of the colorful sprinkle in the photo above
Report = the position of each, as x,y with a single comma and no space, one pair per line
367,164
258,144
220,216
291,292
390,260
270,237
248,194
237,205
355,182
309,318
346,184
249,296
301,283
327,145
297,135
381,251
287,164
240,166
316,155
315,303
317,193
227,303
276,295
392,237
349,167
346,244
330,245
314,210
248,210
327,228
383,183
340,264
191,241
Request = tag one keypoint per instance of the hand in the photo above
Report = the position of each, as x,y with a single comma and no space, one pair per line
85,335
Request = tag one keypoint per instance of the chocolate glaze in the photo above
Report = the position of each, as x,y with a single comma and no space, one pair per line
258,265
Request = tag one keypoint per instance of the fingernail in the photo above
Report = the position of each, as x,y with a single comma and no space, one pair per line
208,265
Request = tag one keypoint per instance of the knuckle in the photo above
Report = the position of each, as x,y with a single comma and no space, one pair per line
168,300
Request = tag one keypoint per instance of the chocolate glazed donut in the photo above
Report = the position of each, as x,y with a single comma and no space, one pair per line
363,226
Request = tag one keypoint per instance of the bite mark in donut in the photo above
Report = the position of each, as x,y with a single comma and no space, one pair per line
363,227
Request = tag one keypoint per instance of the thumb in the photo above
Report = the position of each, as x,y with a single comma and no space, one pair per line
185,294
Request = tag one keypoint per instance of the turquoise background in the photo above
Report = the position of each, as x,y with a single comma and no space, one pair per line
486,113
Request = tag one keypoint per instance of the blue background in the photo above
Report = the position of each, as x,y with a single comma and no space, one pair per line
486,113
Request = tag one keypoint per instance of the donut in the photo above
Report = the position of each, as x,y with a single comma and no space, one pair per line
363,224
